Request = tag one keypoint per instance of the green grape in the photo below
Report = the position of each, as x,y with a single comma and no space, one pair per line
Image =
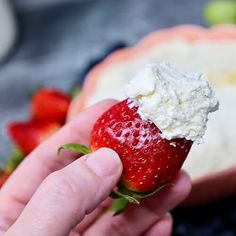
220,12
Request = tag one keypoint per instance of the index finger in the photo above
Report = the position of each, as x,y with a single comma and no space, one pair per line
20,187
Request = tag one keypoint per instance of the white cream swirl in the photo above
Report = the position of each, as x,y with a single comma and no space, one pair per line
176,102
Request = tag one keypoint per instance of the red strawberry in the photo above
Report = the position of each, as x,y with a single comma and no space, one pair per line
50,104
149,161
28,135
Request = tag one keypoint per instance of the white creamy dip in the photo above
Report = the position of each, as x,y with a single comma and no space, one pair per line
176,102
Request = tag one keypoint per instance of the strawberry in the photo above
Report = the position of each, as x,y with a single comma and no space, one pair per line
50,104
150,162
28,135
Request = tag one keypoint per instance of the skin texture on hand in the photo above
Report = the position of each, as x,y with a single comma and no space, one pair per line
57,196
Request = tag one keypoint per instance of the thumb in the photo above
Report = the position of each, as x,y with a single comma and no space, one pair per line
66,196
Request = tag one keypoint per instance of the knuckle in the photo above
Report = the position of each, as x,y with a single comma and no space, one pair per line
60,185
73,128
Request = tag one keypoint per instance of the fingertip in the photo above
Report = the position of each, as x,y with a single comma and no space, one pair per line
103,105
184,184
113,154
104,162
110,101
168,217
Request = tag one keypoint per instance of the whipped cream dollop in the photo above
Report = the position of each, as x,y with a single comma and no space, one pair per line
176,102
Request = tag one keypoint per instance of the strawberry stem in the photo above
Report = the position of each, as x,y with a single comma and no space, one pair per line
123,196
82,149
117,194
144,195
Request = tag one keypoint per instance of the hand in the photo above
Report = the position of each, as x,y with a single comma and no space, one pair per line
62,195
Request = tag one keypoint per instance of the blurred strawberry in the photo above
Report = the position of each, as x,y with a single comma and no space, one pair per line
28,135
50,104
3,177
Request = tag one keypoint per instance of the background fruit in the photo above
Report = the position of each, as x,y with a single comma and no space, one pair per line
28,135
50,104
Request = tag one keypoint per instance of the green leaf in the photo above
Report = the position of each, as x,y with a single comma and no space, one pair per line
15,159
144,195
75,91
118,205
75,147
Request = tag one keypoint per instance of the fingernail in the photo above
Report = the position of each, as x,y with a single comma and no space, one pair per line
104,162
168,216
